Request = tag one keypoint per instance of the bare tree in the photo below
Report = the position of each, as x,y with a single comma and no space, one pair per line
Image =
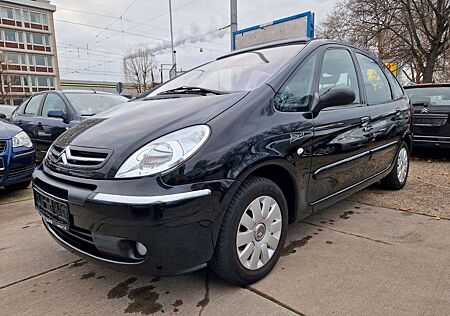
139,68
5,82
415,32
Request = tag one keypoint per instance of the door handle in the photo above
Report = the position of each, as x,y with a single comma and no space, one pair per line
365,120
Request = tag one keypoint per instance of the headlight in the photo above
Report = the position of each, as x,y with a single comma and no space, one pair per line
164,153
21,139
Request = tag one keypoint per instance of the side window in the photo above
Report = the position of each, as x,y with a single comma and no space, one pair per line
21,108
338,70
33,106
375,82
295,94
397,91
53,102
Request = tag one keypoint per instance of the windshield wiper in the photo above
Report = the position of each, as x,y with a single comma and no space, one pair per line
192,90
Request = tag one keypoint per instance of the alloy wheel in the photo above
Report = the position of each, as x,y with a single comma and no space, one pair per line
259,232
402,165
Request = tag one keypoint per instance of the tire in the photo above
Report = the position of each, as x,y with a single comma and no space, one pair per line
240,219
18,186
396,179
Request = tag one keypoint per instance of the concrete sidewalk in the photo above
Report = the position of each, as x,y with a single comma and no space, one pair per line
350,259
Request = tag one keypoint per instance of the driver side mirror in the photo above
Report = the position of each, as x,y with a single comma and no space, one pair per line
2,116
334,97
57,114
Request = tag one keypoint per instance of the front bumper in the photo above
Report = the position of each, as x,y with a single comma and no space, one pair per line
178,225
431,141
16,164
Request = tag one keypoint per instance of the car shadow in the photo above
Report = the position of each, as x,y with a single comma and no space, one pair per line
438,154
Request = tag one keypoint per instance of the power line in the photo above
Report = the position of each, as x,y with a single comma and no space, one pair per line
117,19
151,19
135,34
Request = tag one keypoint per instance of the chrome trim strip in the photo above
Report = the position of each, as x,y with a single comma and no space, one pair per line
354,157
144,200
24,154
350,187
84,252
431,136
384,146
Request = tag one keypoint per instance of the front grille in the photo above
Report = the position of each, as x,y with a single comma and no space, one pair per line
77,157
20,171
2,146
78,238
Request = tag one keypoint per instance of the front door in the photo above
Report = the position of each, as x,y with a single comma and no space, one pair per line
52,127
340,150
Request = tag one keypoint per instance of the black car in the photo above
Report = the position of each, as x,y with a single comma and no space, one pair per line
431,123
46,115
16,157
212,166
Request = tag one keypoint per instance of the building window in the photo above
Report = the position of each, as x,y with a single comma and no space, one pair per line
38,39
26,15
35,17
42,81
40,60
13,59
15,80
25,81
28,36
10,36
7,13
49,61
44,19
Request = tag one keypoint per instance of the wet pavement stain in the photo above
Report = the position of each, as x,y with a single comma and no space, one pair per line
121,289
346,214
177,304
77,264
88,275
101,277
329,242
26,226
4,248
291,248
144,301
205,301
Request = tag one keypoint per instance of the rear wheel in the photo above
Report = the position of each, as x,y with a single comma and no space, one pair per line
18,186
396,179
252,234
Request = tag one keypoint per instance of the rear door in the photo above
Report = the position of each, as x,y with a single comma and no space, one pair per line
389,114
340,145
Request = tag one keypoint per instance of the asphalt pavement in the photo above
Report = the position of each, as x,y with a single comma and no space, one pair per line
350,259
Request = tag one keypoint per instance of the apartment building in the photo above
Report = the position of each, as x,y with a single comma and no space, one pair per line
28,54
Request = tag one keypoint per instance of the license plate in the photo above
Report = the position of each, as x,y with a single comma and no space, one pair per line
52,211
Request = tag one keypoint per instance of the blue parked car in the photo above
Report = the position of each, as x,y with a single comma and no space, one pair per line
16,157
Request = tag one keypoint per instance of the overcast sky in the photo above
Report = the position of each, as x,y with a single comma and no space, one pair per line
88,52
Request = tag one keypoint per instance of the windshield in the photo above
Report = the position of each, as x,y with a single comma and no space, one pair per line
431,95
92,103
242,72
7,109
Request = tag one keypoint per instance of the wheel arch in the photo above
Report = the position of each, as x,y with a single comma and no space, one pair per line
281,173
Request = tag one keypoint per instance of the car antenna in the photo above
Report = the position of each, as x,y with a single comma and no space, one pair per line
93,90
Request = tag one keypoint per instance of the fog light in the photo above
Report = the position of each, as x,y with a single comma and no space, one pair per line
141,249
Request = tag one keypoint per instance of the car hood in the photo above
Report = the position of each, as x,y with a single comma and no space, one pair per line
129,126
8,130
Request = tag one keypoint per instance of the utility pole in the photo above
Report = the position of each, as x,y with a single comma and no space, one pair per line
233,17
174,62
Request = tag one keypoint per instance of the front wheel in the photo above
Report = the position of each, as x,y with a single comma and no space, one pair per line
252,234
396,179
